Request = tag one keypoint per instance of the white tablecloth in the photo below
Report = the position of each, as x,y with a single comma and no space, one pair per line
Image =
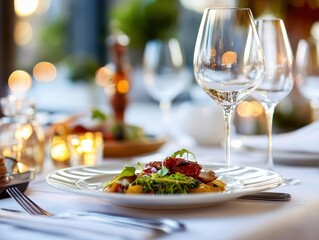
236,219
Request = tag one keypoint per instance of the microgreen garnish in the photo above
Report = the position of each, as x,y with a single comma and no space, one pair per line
170,184
181,152
126,172
140,167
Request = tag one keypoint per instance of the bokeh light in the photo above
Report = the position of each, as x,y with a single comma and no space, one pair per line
229,58
23,33
19,81
249,109
43,6
123,86
104,76
44,72
25,8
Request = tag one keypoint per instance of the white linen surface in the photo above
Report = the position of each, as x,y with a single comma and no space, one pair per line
233,220
237,219
305,139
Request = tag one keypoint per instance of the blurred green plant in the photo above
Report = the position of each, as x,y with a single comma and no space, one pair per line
81,68
53,42
144,20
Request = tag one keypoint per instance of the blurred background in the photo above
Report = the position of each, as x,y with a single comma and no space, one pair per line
60,45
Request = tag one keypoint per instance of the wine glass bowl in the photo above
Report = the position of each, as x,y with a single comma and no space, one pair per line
307,72
228,60
277,80
165,73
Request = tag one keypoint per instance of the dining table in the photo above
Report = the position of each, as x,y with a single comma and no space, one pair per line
240,219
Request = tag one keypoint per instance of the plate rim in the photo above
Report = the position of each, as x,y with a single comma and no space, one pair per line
145,201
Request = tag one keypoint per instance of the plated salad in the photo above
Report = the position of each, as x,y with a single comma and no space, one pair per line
176,174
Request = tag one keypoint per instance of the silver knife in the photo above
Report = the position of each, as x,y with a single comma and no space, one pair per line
268,196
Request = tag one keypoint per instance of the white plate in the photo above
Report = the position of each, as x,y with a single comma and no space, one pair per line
88,181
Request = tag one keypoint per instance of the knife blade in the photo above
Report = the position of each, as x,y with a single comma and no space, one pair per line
268,196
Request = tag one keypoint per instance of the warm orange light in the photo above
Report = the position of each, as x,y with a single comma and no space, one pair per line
242,109
229,58
43,6
24,132
86,149
249,109
60,152
257,109
123,86
44,72
104,76
24,8
19,81
23,33
213,52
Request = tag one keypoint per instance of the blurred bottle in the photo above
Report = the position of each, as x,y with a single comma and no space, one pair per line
21,137
121,75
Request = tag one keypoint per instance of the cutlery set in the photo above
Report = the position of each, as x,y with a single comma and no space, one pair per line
164,225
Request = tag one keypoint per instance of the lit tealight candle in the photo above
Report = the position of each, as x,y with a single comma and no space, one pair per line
86,149
59,152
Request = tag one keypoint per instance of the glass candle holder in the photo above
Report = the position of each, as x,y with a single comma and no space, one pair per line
86,148
59,151
21,137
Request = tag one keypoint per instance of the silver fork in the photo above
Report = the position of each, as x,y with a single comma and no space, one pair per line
26,203
164,225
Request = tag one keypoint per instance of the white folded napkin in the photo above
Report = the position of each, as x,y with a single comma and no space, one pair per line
304,140
63,228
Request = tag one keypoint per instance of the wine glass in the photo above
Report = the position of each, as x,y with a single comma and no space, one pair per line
307,73
277,79
228,59
165,74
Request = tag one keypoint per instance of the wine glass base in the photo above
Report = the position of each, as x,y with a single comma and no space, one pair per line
291,181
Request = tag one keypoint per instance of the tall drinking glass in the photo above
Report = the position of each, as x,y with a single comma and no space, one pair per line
228,59
307,75
165,74
277,79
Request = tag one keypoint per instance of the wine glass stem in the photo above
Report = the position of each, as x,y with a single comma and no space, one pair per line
269,112
165,107
227,118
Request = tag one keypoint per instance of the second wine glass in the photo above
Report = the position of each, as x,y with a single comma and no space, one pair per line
277,80
165,74
228,60
307,73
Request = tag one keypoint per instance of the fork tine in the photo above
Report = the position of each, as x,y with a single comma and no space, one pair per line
26,203
25,206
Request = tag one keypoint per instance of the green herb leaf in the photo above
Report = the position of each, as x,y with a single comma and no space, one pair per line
97,114
163,171
182,152
126,172
140,167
